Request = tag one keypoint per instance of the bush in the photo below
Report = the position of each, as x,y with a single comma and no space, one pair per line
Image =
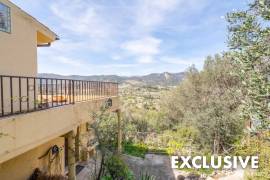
116,169
258,145
208,101
105,130
146,176
135,149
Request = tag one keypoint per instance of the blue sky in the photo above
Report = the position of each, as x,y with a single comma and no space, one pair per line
130,37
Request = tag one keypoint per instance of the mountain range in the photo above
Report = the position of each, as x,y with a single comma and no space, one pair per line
161,79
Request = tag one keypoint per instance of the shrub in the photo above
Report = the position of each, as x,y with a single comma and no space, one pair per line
116,169
135,149
146,176
258,145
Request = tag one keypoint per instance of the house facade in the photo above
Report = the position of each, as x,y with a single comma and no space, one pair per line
44,122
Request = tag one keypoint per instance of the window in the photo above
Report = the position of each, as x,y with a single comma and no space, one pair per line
4,18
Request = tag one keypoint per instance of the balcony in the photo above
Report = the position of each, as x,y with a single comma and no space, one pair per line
34,110
28,94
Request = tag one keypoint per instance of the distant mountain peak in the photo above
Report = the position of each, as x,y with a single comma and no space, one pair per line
167,75
161,79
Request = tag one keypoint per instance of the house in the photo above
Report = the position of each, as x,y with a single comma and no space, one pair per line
44,122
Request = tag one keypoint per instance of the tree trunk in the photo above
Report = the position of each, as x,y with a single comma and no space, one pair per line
119,138
71,156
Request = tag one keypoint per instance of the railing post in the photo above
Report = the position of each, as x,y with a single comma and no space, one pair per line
52,91
35,99
2,96
11,95
40,92
61,93
20,93
87,90
65,91
27,93
69,91
56,89
91,90
73,91
47,93
83,94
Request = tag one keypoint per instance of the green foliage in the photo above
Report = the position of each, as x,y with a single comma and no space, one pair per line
106,178
142,111
135,149
146,176
106,130
116,169
256,146
249,41
112,166
174,147
206,171
208,102
179,141
207,112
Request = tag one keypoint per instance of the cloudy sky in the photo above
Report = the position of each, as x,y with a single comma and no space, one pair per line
130,37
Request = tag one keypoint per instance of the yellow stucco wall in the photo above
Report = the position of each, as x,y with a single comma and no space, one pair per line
29,136
18,49
27,131
18,52
22,166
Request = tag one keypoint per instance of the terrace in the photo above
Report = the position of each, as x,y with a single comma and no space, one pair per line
19,94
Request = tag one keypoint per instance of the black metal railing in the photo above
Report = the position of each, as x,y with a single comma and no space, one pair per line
20,94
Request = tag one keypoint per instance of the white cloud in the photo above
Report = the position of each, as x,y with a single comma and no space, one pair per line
67,45
153,12
144,46
145,60
116,57
120,34
68,61
143,49
102,27
85,22
81,18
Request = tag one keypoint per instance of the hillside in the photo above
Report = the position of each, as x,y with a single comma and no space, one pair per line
162,79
